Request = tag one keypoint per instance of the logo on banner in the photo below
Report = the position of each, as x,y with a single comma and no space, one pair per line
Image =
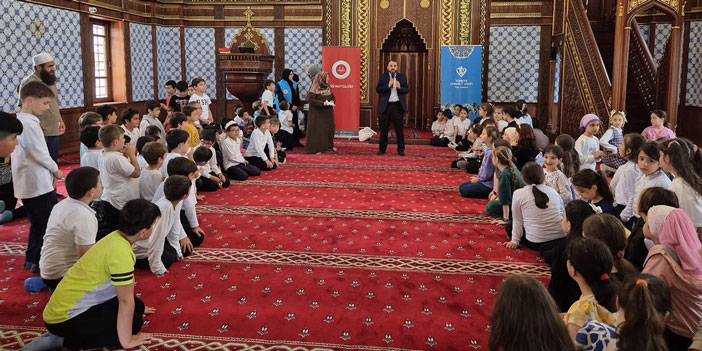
461,71
341,69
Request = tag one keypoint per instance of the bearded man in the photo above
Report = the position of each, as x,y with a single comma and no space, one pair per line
51,122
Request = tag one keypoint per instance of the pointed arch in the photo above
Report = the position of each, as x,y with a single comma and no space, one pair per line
404,37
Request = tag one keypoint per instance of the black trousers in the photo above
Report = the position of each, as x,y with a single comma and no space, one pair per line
169,256
108,218
53,144
288,140
52,283
242,172
204,183
259,163
676,342
38,210
393,114
436,141
7,195
96,327
195,238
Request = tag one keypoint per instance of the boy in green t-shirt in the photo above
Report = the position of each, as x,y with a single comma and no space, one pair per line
94,305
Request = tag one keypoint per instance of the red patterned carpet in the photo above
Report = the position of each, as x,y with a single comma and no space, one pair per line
336,252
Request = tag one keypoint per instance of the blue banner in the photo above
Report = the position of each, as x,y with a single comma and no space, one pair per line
461,74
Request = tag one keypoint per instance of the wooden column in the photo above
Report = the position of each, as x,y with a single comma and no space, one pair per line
673,98
621,57
221,107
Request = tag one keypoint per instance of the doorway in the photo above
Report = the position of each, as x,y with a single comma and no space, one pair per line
405,46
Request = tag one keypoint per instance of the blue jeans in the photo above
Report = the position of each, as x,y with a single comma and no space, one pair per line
475,190
52,143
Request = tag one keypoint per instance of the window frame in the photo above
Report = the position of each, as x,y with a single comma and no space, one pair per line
108,61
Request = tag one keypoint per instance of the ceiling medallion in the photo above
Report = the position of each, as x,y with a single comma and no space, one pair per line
384,4
425,4
37,28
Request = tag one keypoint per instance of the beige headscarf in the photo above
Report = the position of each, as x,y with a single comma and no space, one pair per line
320,85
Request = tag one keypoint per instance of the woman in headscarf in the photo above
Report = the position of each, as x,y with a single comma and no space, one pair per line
676,259
320,119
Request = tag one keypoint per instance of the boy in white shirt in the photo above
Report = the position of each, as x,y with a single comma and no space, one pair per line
89,138
268,99
154,153
153,109
236,167
130,125
88,119
286,135
188,215
168,239
256,151
141,142
205,156
33,171
119,172
199,87
72,226
177,142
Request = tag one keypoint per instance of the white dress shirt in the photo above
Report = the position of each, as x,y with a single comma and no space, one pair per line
257,145
655,179
189,204
168,227
231,152
394,97
690,200
32,167
149,180
91,158
211,165
624,186
133,134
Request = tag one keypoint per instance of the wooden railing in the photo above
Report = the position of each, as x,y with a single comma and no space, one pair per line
642,68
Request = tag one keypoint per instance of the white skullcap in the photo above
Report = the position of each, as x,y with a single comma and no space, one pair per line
229,124
42,58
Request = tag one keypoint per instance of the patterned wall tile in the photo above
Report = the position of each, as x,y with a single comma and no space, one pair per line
645,32
693,94
200,60
514,63
268,33
557,83
167,56
660,41
303,46
60,37
142,55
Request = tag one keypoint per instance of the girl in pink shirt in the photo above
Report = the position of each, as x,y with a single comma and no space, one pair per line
658,129
676,260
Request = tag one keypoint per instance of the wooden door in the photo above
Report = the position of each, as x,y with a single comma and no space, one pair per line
414,66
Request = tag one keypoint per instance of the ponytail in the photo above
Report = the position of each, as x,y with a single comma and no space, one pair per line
533,175
679,155
587,178
571,160
645,302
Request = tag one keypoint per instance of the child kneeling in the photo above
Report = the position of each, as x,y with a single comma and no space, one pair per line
94,305
235,166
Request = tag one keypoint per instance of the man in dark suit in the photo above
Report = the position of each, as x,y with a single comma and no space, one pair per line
393,88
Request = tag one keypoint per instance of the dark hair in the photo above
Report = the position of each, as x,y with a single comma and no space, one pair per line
9,124
695,155
555,150
571,160
488,108
153,131
260,120
633,143
109,134
522,106
105,111
153,151
181,166
177,119
176,137
170,83
142,141
533,175
502,143
521,299
447,113
274,121
476,128
645,302
492,133
176,187
488,122
182,85
80,181
592,260
661,114
527,139
679,155
611,231
137,215
151,104
576,212
209,134
202,154
128,114
657,196
89,136
240,113
588,178
651,150
268,82
88,119
512,111
35,89
284,106
188,110
196,81
463,108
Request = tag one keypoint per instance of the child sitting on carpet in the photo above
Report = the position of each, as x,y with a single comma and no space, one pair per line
271,135
651,174
687,184
72,226
521,299
481,186
438,130
106,270
188,215
234,164
140,143
192,112
611,231
89,139
510,179
88,119
177,143
168,239
256,153
211,176
624,182
154,153
587,145
611,142
555,178
657,130
594,188
589,264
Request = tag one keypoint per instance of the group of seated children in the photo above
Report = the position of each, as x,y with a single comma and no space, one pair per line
636,238
137,186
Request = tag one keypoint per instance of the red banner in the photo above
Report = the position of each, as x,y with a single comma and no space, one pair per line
343,65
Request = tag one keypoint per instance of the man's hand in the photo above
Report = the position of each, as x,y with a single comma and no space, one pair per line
391,83
186,245
397,84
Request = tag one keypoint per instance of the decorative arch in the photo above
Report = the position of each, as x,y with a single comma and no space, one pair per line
669,7
404,37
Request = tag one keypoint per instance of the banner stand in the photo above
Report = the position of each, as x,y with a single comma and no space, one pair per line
344,66
461,75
